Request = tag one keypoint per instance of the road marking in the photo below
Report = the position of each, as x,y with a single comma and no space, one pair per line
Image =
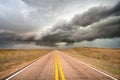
26,67
59,67
56,69
91,67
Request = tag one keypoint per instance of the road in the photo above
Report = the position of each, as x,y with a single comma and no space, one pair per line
59,66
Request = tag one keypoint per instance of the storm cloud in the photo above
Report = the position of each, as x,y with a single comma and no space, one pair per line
96,23
100,22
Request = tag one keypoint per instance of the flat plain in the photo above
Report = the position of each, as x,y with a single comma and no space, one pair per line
103,58
11,60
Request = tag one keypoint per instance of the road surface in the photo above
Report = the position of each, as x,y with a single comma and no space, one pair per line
59,66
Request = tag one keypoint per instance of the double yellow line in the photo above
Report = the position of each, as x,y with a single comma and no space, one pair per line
58,69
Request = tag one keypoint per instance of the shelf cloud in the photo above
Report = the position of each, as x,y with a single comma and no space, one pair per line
98,22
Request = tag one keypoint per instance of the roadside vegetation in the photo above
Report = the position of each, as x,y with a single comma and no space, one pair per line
10,59
106,59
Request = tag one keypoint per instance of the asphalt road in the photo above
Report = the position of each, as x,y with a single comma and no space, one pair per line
59,66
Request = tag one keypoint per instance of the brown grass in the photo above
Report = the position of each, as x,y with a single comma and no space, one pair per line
10,59
106,59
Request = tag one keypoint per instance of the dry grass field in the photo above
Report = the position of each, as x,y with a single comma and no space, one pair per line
11,60
105,59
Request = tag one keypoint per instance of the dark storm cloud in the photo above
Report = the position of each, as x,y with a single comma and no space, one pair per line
8,38
95,14
106,28
96,23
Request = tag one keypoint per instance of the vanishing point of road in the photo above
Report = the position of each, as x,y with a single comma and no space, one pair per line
59,66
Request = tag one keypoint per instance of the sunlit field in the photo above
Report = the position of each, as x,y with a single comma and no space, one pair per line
11,59
106,59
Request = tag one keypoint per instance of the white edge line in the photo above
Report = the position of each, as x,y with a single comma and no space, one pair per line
91,67
25,68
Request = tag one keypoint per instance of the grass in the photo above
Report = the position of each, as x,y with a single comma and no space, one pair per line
11,58
106,59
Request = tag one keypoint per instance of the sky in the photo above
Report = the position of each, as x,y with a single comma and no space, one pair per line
60,24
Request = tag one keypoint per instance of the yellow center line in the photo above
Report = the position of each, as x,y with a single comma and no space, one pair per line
58,66
56,69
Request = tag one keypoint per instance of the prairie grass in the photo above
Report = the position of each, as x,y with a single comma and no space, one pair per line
106,59
10,58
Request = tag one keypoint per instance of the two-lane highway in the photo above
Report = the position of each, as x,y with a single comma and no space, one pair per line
59,66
